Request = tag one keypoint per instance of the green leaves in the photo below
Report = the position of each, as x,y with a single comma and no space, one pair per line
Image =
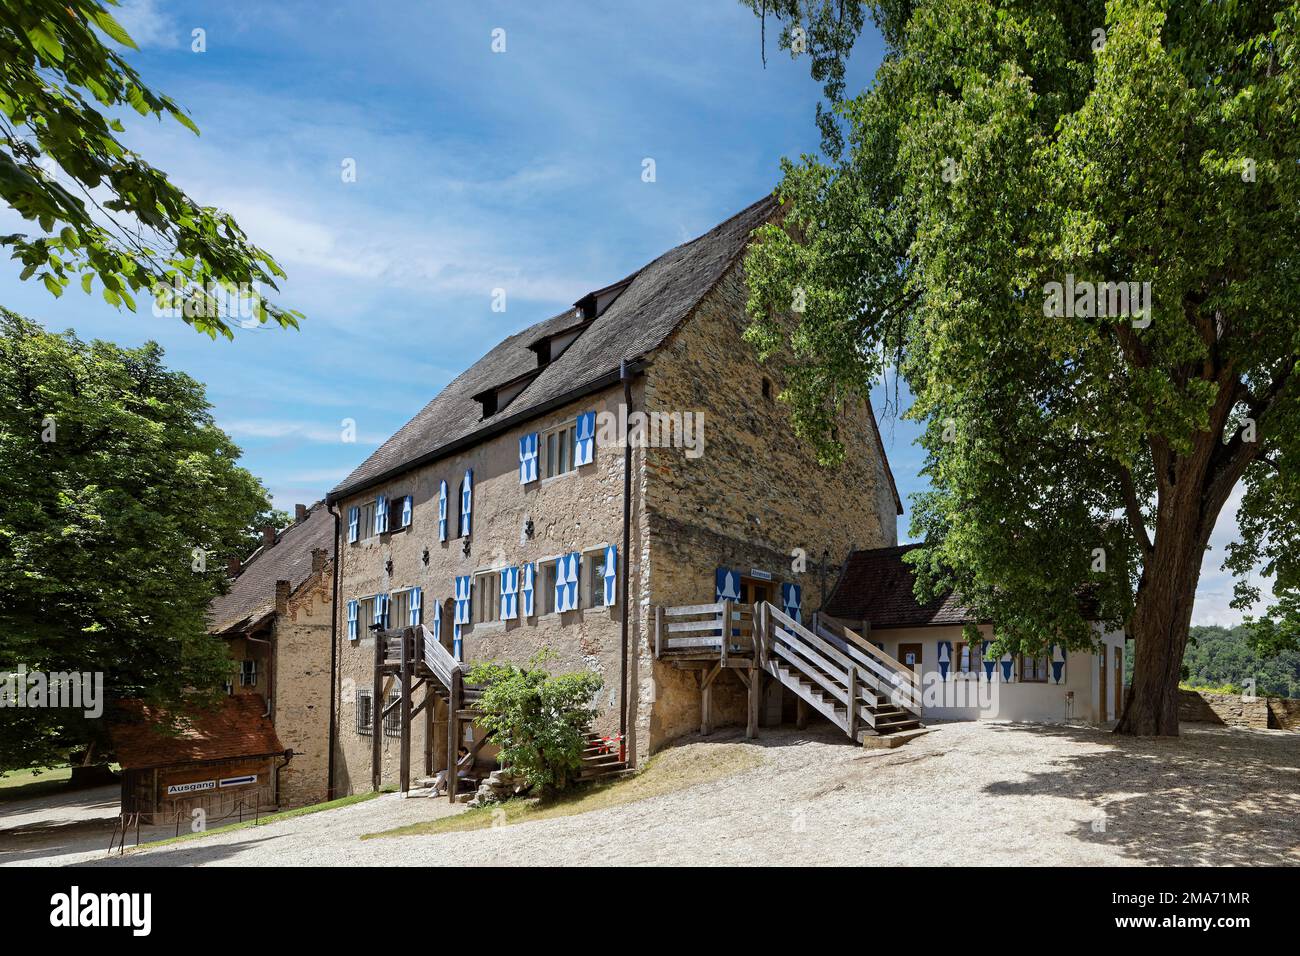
56,148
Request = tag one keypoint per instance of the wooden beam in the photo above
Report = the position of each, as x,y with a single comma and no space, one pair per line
406,711
800,713
453,733
706,699
430,701
755,690
853,704
376,716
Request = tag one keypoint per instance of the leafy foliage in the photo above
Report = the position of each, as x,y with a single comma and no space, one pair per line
102,210
1009,145
537,719
114,485
1223,658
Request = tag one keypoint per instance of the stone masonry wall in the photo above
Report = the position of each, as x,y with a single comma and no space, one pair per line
754,496
302,688
573,512
1231,709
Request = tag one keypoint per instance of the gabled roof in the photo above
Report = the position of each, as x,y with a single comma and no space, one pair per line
876,586
657,299
234,728
252,594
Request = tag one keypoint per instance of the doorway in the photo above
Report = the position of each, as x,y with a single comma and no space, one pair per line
1117,683
1102,672
910,654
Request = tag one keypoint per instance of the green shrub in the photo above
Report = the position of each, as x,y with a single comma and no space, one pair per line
536,719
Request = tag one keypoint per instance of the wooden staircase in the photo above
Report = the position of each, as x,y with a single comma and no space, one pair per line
602,757
829,667
855,685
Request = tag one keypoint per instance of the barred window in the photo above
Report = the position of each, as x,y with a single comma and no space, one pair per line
393,719
364,716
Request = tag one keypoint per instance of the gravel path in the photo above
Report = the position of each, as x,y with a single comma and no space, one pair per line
967,793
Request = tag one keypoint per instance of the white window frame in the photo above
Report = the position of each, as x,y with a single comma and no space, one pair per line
485,597
365,615
591,593
399,612
1046,661
366,511
551,444
248,672
544,587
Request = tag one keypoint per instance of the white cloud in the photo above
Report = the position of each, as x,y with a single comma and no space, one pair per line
306,431
147,25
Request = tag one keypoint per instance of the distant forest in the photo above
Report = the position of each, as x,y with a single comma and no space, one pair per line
1220,657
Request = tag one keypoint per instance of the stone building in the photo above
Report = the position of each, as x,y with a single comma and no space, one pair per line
276,617
496,516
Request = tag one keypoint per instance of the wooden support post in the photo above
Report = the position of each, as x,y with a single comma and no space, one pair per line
706,698
376,715
853,704
405,710
453,733
659,630
430,701
726,630
755,686
800,713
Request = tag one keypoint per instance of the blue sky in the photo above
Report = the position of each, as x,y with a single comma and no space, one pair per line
475,170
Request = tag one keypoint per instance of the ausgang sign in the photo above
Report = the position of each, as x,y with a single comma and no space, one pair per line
195,787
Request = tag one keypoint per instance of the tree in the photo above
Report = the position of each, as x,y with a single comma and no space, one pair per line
1014,168
120,502
537,719
102,210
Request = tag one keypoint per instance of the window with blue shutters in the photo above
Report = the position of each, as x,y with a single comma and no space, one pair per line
526,588
584,447
1056,655
353,607
466,504
437,621
988,662
408,504
528,458
792,601
416,610
442,511
354,523
381,611
381,514
509,594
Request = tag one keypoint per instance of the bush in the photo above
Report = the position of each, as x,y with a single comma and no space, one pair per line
537,719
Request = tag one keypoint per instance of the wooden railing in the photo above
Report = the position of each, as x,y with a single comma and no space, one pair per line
835,674
700,628
437,658
896,680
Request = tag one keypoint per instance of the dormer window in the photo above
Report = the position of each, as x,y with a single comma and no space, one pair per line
499,396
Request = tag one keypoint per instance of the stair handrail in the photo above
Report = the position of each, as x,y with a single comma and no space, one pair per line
839,667
899,684
853,636
438,658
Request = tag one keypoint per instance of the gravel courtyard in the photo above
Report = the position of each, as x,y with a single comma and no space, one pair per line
967,793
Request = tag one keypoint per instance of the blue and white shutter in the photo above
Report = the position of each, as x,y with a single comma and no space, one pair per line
381,610
584,447
407,503
792,601
354,523
526,587
352,619
611,575
467,502
462,599
415,607
528,458
509,594
381,514
945,659
1056,664
1008,668
566,582
726,585
437,620
989,663
442,511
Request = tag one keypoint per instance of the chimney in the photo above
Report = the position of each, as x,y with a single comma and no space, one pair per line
268,536
281,596
232,567
300,513
318,559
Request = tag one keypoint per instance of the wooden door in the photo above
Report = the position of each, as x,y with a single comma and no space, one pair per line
915,660
1103,670
1117,681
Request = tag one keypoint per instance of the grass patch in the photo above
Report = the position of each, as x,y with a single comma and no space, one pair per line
36,782
263,821
674,769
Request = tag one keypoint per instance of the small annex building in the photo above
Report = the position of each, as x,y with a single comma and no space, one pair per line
225,761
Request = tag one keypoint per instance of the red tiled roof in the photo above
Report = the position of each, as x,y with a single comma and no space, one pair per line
235,728
877,586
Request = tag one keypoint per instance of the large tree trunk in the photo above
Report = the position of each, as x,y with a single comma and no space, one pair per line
1162,613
